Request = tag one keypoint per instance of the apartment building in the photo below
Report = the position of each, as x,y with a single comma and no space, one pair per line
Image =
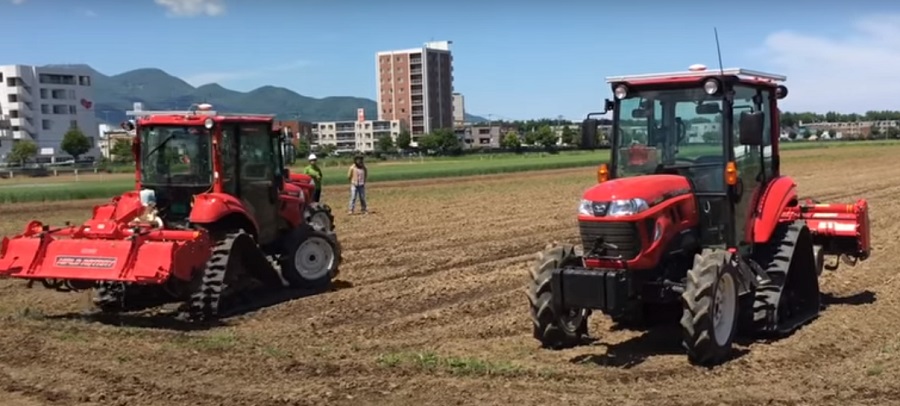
459,110
41,103
415,86
354,136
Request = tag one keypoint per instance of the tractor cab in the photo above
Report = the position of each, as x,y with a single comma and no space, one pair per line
708,127
183,154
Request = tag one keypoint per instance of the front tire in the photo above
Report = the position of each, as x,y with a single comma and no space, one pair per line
311,257
710,300
553,330
319,214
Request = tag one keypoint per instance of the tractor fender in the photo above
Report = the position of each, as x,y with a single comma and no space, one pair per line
291,209
779,194
209,208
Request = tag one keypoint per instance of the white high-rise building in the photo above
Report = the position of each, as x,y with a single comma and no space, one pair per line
41,103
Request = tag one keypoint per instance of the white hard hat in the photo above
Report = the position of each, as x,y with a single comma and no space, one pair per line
312,157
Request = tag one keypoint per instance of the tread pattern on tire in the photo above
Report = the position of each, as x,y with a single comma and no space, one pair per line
315,207
698,298
776,259
540,297
203,303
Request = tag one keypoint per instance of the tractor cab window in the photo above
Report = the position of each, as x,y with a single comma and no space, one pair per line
672,131
257,155
175,155
747,158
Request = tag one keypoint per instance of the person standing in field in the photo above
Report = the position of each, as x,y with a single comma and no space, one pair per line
315,173
357,174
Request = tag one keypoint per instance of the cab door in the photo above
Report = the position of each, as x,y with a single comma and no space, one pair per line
257,187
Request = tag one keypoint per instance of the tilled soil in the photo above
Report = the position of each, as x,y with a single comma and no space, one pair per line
430,309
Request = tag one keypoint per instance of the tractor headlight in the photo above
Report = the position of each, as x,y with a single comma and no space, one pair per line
586,208
627,207
621,91
711,87
209,123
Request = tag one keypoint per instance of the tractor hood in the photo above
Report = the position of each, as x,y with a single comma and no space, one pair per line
651,188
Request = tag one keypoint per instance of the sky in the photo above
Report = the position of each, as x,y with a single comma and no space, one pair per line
512,59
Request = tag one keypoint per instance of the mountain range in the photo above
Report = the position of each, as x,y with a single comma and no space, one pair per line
158,90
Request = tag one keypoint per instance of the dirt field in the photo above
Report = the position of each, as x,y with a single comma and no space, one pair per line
433,312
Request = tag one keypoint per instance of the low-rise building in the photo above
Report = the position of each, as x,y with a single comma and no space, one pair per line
354,136
300,130
482,136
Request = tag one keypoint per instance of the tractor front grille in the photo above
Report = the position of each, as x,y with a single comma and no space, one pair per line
622,234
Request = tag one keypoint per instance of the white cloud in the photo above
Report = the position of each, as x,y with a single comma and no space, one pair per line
225,76
17,2
191,8
852,73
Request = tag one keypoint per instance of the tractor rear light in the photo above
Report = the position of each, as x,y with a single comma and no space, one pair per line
731,174
602,173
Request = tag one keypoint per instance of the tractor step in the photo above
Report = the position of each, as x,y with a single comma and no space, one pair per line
790,298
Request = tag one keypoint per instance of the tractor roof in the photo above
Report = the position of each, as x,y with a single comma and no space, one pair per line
697,73
197,117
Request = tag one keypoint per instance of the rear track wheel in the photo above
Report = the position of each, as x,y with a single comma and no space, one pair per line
220,276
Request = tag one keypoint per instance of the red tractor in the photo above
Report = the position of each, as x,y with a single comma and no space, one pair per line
705,220
212,213
315,212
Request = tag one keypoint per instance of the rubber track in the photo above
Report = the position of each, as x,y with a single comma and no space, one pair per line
207,301
776,261
540,297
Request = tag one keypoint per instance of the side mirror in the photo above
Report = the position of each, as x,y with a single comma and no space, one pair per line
751,127
708,108
589,133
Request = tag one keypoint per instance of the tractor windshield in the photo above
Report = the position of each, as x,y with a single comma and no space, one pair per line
176,155
671,131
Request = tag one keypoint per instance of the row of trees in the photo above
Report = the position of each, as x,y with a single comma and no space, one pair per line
788,119
74,143
875,133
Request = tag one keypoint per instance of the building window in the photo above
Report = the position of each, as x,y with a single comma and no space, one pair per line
73,124
46,125
84,80
45,109
13,98
43,93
